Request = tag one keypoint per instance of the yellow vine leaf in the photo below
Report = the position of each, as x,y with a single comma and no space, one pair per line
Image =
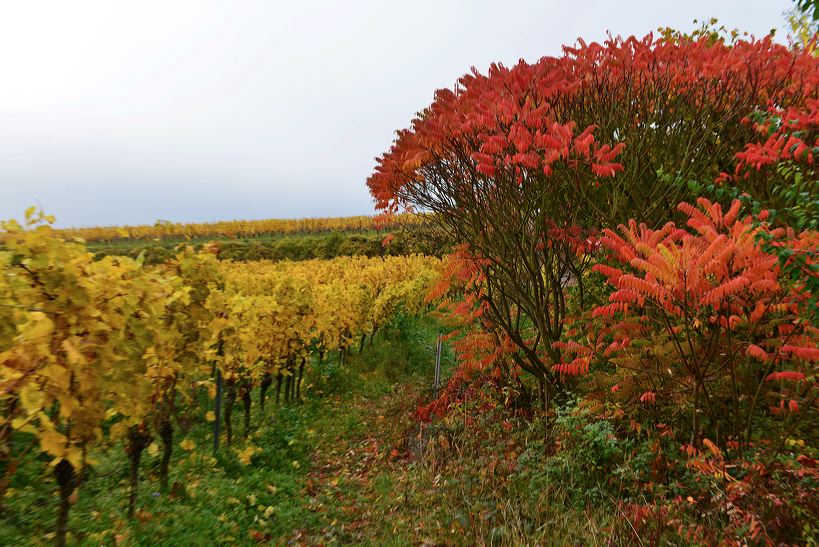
188,445
32,398
246,454
53,443
75,357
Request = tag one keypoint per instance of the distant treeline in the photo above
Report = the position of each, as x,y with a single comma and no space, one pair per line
293,247
237,229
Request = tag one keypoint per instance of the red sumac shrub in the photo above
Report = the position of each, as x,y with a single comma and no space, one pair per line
523,165
715,337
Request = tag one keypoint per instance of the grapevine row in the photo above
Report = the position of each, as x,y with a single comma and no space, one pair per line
100,351
237,228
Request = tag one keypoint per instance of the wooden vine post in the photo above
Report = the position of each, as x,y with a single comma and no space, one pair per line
437,381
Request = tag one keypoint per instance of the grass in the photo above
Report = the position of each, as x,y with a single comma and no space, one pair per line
347,465
220,500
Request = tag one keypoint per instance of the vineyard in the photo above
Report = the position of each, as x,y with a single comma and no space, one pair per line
240,228
296,246
96,352
587,314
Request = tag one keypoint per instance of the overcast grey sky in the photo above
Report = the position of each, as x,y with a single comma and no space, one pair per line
117,112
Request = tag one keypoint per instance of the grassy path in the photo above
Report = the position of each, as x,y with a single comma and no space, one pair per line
348,465
356,480
316,472
378,477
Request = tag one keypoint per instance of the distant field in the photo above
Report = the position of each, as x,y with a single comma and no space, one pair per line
233,229
295,246
268,239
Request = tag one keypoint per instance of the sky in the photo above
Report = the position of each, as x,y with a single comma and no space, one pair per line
115,112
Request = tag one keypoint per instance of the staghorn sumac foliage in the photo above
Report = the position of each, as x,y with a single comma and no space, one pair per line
785,160
483,350
524,164
768,503
617,113
702,329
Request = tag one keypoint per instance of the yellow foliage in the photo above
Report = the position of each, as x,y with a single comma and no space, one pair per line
87,342
246,454
188,445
